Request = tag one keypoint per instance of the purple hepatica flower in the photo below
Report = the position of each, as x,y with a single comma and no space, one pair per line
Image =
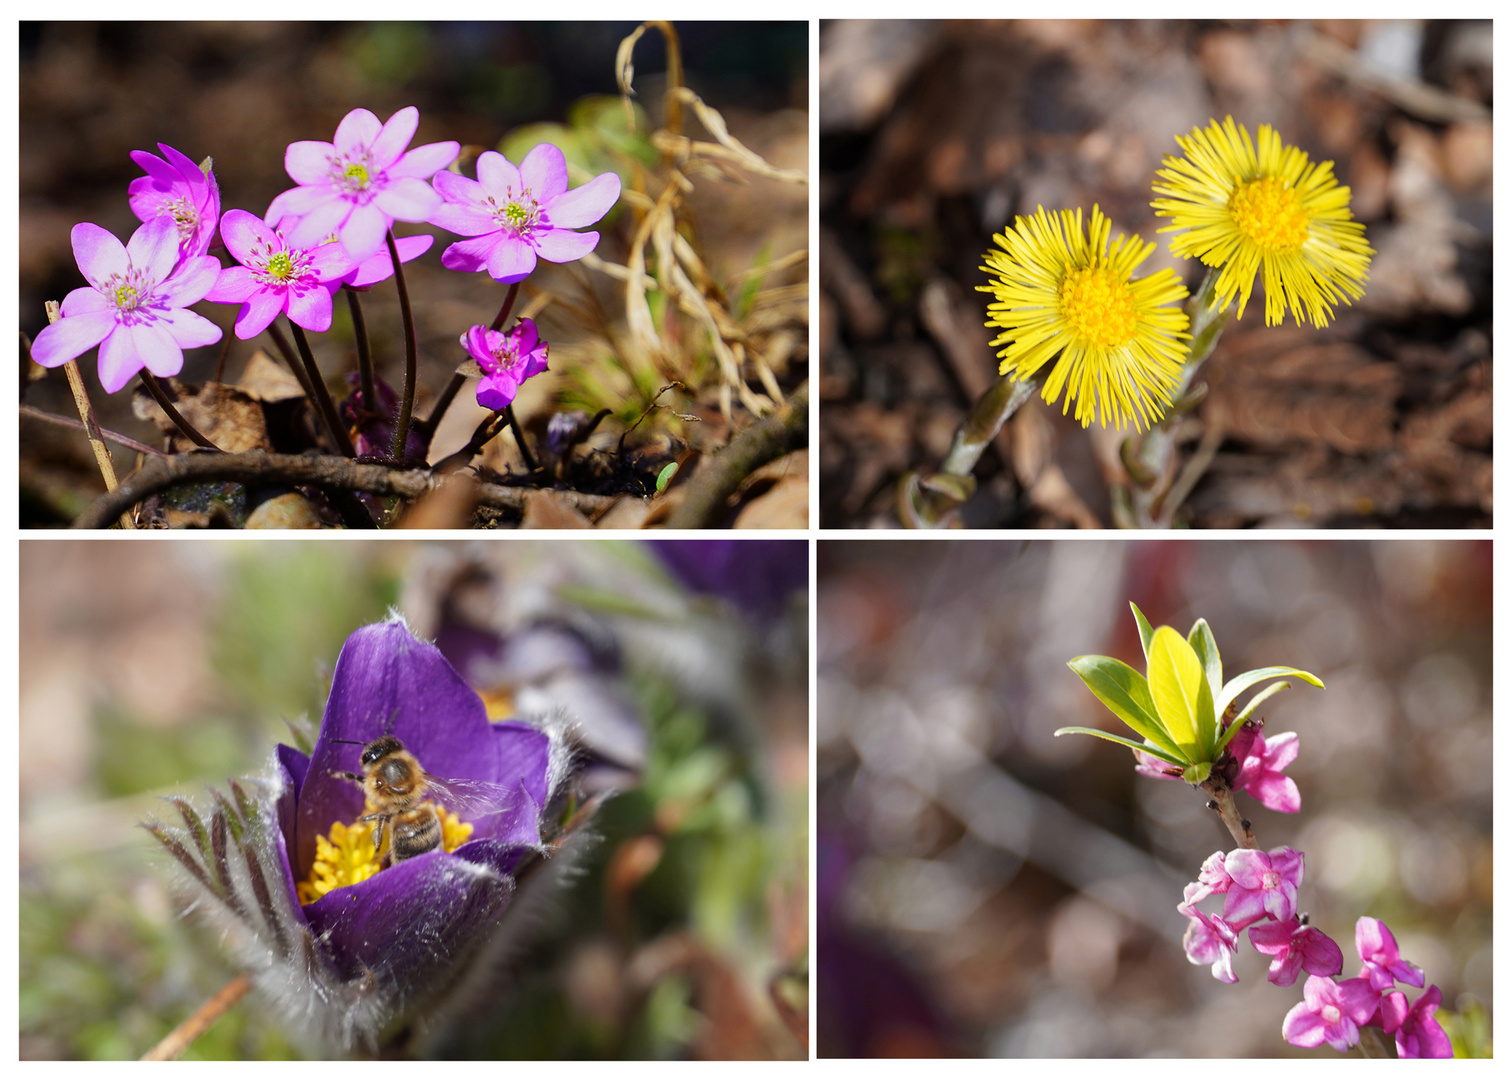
507,360
757,576
1417,1031
515,216
361,957
135,306
360,184
1384,966
276,276
1211,940
1260,771
1264,884
180,189
1296,947
1330,1012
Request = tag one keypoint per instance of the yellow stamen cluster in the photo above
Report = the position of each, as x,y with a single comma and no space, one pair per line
348,858
1270,213
1098,306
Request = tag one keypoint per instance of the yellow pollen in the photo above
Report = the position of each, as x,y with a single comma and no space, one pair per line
1097,306
1270,213
125,296
357,174
281,266
348,858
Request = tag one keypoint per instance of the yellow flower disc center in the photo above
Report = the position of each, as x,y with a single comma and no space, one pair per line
1270,213
1098,307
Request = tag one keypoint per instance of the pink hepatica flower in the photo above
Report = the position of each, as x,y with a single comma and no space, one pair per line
1330,1012
134,307
179,188
516,215
380,265
1417,1031
1260,772
275,275
1211,940
1296,947
1264,884
1384,966
362,183
507,360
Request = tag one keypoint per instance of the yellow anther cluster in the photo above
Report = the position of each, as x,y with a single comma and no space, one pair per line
347,857
1098,306
1270,213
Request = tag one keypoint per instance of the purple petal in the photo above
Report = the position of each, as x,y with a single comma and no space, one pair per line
544,171
154,248
99,254
297,202
470,255
259,309
190,281
309,162
310,307
560,245
363,232
72,335
159,173
585,205
510,260
356,131
462,220
388,146
189,329
497,391
524,751
408,199
497,175
426,161
233,286
292,766
242,234
1242,906
83,299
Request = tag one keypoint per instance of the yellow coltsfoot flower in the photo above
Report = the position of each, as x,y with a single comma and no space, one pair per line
1263,206
1064,292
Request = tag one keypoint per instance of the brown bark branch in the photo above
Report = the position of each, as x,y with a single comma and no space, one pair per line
764,441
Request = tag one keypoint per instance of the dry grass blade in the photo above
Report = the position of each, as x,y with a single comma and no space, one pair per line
732,148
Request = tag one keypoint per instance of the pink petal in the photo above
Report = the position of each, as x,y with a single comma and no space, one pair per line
159,352
154,248
562,245
408,199
1242,906
322,220
584,205
525,335
1277,792
462,220
310,307
189,329
456,188
99,254
388,146
425,161
380,267
309,162
497,175
158,171
233,286
330,261
187,168
544,171
1282,750
363,232
510,260
297,202
83,299
118,360
72,336
497,391
189,282
357,131
243,233
467,256
257,312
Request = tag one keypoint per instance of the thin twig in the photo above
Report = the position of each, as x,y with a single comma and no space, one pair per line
519,437
323,400
110,436
492,424
160,395
257,467
179,1039
364,357
1223,803
407,402
717,478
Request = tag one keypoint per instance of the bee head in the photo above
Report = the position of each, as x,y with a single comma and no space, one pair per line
379,748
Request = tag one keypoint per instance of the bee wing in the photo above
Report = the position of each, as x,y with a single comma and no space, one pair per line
471,799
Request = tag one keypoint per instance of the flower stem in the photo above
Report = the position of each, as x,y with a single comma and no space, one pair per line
1223,800
179,1039
506,307
287,352
322,394
155,388
364,356
514,426
407,402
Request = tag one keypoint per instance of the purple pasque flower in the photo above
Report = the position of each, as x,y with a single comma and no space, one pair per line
757,576
1417,1031
276,276
1384,966
507,360
1260,771
1209,939
135,308
1264,884
1294,947
361,958
516,215
360,184
180,189
1330,1012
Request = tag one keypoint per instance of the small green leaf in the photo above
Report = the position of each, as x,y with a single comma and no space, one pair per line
1198,772
1179,689
1205,645
1125,691
1146,631
1238,722
1240,683
1144,748
664,477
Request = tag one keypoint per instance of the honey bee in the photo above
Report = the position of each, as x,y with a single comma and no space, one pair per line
398,788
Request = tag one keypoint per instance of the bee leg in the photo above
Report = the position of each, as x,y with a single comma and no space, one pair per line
382,820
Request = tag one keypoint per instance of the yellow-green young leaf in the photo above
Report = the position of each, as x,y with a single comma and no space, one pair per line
1125,691
1240,683
1179,688
1205,645
1146,631
1144,748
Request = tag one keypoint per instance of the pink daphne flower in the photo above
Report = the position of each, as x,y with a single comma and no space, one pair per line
1296,947
362,183
276,276
1210,940
507,360
1260,770
1264,884
1330,1012
180,189
1384,966
135,306
515,216
1418,1034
